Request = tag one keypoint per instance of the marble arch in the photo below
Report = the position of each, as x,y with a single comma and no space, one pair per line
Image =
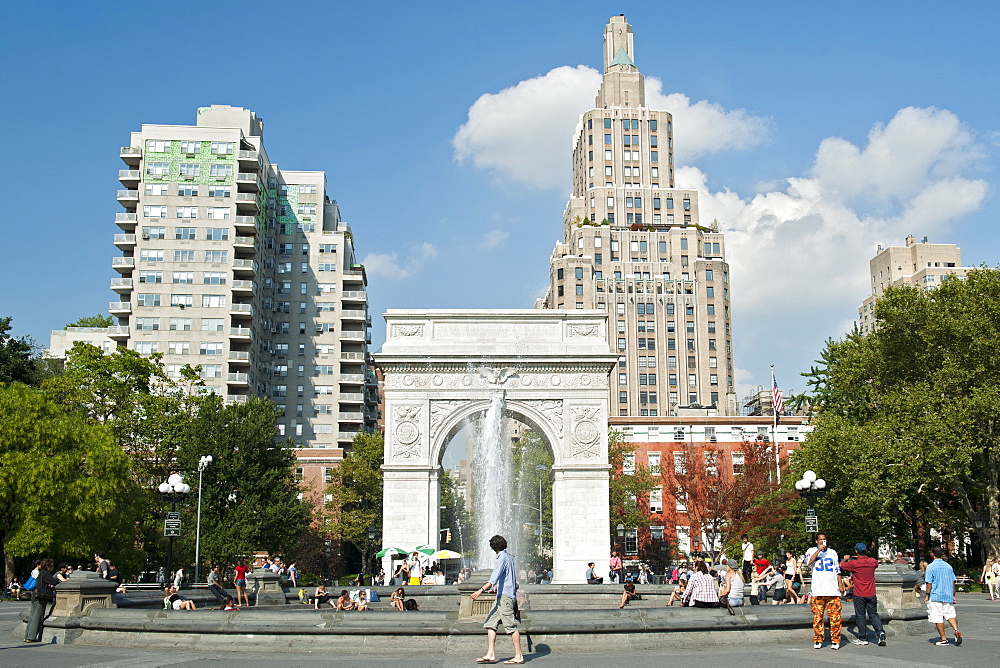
442,366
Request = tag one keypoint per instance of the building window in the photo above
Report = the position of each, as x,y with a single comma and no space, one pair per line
182,277
222,147
656,500
213,324
216,233
220,170
216,256
189,169
210,348
213,301
180,324
654,463
187,233
218,213
147,299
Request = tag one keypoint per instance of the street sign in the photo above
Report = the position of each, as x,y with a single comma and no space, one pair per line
173,516
172,524
810,512
171,533
812,524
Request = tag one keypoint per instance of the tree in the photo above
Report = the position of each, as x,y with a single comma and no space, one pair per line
249,491
628,483
532,466
908,415
723,503
18,357
356,493
65,488
99,320
455,516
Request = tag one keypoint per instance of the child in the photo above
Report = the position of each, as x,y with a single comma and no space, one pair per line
227,603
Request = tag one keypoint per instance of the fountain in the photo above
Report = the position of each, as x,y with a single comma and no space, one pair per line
493,477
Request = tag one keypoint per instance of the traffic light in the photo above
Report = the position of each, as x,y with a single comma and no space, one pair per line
447,536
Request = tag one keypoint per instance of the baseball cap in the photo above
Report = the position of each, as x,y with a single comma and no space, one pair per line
860,547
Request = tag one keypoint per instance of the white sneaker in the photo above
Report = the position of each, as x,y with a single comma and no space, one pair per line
857,641
835,645
818,645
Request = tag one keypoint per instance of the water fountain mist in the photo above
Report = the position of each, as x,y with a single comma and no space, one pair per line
493,480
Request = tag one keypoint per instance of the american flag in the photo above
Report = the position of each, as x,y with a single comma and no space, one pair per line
776,403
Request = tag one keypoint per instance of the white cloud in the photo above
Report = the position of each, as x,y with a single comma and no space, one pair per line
705,127
524,133
390,266
799,256
495,237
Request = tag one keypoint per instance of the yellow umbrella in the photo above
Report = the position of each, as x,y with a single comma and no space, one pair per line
446,554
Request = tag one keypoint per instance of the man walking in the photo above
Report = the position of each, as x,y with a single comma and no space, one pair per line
502,580
827,587
862,567
940,596
747,557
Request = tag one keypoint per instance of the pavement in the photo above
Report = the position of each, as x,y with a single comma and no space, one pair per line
978,618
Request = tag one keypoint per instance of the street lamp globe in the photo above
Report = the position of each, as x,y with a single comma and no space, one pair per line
809,476
164,488
174,479
820,484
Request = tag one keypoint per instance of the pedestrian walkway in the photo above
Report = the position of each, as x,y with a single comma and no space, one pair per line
977,617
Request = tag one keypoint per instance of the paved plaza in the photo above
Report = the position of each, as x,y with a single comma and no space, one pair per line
978,618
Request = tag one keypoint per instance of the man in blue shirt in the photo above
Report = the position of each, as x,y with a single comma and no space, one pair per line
940,598
502,580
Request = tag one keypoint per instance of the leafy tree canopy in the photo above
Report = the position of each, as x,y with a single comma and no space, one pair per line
18,356
99,320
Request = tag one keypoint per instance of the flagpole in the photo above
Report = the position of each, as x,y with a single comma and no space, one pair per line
774,428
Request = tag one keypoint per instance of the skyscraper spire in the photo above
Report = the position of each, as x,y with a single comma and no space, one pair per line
623,85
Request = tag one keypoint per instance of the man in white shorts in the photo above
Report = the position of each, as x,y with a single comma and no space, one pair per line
940,598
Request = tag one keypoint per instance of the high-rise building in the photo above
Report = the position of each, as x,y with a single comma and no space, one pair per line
634,246
247,270
922,265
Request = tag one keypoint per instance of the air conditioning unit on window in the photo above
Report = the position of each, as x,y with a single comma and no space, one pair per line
713,439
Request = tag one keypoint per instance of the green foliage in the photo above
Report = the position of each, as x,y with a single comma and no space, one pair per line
908,415
626,488
532,464
99,320
455,516
249,491
65,488
18,357
356,493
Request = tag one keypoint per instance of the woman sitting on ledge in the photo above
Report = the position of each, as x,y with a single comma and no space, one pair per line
171,599
320,597
678,593
396,598
701,591
629,595
362,602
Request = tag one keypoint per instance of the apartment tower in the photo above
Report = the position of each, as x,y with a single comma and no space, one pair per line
248,270
923,265
634,246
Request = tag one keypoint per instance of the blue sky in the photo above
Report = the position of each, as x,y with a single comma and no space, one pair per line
815,131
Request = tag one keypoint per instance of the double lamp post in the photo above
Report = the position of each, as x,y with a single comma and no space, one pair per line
173,491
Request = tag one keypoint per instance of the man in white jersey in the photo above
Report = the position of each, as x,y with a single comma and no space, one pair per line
827,588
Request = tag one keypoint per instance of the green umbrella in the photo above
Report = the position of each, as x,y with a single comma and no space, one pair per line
392,551
425,549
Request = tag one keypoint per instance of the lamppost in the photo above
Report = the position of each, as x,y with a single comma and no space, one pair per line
371,539
621,540
810,487
172,491
202,465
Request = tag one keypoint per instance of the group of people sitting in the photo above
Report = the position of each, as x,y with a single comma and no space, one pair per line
359,601
709,588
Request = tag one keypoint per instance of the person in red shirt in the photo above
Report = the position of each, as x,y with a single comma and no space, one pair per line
761,563
240,582
862,568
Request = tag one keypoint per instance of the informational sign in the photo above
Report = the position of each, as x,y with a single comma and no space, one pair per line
172,525
812,521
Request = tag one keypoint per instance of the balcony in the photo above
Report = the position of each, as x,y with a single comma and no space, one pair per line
241,333
126,221
125,241
124,265
121,284
348,335
349,355
346,435
129,177
371,379
237,398
245,224
244,286
352,378
352,398
245,244
244,201
251,182
120,308
131,155
353,416
242,310
354,295
351,314
128,197
248,159
118,332
238,378
240,357
245,265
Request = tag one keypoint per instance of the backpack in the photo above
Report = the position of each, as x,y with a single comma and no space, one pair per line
30,583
